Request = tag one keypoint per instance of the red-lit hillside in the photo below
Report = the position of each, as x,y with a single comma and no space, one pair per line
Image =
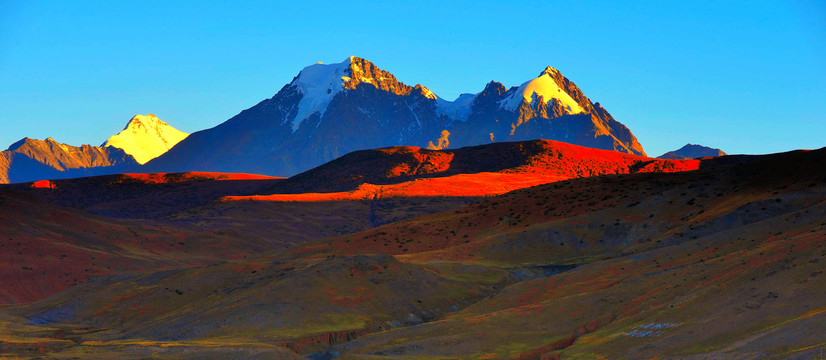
397,172
632,199
544,160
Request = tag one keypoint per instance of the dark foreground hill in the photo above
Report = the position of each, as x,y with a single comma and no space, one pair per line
720,262
180,212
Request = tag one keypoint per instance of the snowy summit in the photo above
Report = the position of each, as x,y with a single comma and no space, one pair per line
146,137
319,83
542,87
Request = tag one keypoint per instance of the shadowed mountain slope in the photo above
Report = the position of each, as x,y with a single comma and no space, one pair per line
32,159
331,110
691,151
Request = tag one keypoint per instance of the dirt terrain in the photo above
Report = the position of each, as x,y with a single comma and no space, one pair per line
630,259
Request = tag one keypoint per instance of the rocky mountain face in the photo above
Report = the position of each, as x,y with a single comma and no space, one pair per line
32,159
547,107
692,151
330,110
145,137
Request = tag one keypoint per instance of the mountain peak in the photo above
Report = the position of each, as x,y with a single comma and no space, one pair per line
328,110
146,137
692,151
29,142
320,83
494,87
550,71
545,87
17,144
364,71
425,91
148,121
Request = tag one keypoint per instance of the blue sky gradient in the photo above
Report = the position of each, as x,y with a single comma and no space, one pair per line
747,77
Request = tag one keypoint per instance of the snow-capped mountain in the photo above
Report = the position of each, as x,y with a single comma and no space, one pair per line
548,107
146,137
331,110
542,89
32,159
692,151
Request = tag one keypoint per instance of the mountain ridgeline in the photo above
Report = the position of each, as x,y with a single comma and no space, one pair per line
692,151
330,110
32,159
144,138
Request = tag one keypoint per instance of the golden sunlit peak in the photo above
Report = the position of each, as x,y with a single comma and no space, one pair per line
320,63
543,87
139,120
146,137
550,70
425,91
355,60
147,116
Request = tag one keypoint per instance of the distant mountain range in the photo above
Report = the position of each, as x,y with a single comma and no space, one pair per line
328,111
143,138
692,151
32,159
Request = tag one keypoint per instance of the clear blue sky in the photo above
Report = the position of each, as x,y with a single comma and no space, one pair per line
744,76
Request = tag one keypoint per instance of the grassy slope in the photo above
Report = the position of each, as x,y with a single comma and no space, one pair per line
650,242
723,263
47,248
726,261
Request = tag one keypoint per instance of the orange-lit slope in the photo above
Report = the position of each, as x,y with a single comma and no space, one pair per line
616,206
486,170
461,185
719,263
